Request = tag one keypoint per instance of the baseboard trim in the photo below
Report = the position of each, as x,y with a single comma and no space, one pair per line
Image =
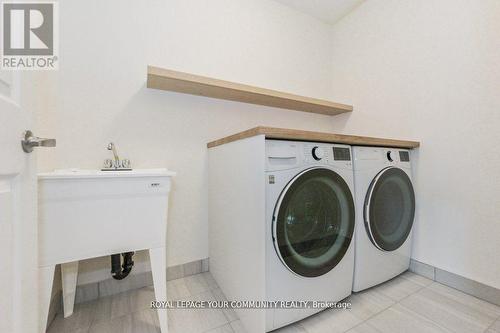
468,286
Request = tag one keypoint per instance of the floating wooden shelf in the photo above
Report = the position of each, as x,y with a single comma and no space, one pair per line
299,135
165,79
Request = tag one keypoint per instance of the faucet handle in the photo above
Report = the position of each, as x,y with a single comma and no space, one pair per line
108,163
126,164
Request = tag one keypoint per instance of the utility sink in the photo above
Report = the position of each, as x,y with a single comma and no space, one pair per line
91,213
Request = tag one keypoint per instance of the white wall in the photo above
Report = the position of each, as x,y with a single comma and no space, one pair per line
100,94
430,70
426,70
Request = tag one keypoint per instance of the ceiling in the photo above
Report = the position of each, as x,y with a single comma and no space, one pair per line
329,11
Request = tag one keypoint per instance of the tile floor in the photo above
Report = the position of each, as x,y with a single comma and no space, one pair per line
408,303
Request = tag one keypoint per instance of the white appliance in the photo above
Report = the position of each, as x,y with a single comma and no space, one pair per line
292,238
89,213
309,225
385,209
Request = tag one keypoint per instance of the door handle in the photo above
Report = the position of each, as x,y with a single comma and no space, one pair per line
30,141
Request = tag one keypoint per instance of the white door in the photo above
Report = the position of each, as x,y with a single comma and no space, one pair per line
18,214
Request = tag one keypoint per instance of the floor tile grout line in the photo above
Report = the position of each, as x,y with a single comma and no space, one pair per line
211,329
428,319
197,294
399,302
418,314
220,309
131,312
106,320
390,306
407,279
410,294
367,323
370,317
373,316
442,295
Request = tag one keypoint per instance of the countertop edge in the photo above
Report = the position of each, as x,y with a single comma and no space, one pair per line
301,135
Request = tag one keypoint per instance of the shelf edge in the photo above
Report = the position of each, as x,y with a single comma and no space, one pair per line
170,80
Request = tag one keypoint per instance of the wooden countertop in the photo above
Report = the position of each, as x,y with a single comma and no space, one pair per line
299,135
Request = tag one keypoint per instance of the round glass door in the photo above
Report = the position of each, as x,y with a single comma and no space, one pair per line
389,209
313,222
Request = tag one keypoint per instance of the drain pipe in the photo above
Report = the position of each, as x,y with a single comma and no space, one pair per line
116,268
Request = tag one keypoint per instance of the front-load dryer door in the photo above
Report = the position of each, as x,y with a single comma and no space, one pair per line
313,222
389,209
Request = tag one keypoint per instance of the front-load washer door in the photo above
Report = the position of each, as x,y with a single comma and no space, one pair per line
389,209
313,222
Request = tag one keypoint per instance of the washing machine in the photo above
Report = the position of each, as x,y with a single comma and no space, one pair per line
310,223
385,210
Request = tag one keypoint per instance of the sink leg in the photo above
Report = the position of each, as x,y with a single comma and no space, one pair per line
46,278
159,268
69,275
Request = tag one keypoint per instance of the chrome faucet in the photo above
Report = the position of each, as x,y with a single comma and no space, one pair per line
116,164
112,147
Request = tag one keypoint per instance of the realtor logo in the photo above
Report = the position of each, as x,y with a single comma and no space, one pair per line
30,35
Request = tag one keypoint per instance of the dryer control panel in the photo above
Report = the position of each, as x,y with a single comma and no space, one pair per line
375,155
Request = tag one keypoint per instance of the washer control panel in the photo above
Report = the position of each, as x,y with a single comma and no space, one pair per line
316,153
341,153
324,153
281,154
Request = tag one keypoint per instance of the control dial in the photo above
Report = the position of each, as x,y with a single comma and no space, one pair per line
389,156
318,153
